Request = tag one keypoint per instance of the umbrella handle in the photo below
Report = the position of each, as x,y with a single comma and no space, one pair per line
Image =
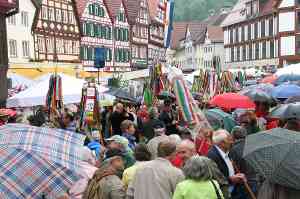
249,190
252,195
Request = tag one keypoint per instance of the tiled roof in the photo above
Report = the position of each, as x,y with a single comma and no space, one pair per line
133,7
81,4
197,30
215,33
238,13
113,7
267,7
153,5
179,29
217,19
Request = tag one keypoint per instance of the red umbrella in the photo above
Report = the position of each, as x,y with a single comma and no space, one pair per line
269,79
232,100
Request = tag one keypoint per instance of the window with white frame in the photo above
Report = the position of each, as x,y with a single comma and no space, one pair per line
24,18
58,15
12,20
13,48
25,48
44,12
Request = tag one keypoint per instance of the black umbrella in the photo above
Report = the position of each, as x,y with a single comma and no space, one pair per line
275,155
292,99
122,94
259,96
286,111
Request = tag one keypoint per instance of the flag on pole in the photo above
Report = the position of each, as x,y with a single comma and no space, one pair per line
169,22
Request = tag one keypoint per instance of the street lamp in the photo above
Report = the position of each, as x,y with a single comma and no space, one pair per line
7,8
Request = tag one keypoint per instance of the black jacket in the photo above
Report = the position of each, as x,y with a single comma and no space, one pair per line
215,155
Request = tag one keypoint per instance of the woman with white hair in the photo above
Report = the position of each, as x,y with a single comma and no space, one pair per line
198,183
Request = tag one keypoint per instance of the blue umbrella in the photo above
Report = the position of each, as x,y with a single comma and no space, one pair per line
285,91
286,78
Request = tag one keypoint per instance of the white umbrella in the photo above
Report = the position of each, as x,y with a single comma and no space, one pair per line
293,69
36,95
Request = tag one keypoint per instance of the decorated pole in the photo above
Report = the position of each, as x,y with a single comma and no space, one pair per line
54,98
89,112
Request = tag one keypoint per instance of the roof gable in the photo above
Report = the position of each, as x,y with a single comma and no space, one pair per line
215,33
179,29
133,7
153,5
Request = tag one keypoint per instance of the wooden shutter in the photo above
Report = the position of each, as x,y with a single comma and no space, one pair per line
88,29
109,32
96,30
92,9
81,52
103,32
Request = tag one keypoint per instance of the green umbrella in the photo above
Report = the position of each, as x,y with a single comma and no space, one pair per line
220,119
275,155
165,95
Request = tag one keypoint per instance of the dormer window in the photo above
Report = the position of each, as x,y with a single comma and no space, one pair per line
252,8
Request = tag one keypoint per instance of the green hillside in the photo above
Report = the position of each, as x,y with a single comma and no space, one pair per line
189,10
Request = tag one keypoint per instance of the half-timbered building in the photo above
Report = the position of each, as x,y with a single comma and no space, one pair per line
156,49
250,34
288,31
56,31
121,44
96,31
138,15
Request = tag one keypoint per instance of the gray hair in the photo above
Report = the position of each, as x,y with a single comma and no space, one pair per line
175,138
220,135
197,168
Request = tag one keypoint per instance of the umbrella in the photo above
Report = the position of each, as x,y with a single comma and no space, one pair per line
62,147
121,94
286,78
286,111
266,87
285,91
220,119
232,100
292,99
274,155
291,69
259,96
269,79
28,175
165,95
197,96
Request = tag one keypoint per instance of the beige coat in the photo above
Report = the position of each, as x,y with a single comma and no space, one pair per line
156,179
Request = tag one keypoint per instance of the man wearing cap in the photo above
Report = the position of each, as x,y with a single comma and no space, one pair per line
121,143
106,182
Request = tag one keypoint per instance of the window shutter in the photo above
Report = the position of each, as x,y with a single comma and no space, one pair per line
88,29
110,54
127,35
120,30
109,32
81,52
92,30
103,32
96,30
102,12
92,9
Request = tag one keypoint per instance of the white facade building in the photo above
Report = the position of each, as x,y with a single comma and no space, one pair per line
19,37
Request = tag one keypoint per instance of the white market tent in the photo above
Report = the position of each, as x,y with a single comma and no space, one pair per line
36,94
19,80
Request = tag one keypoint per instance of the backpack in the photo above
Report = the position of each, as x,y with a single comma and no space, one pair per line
93,188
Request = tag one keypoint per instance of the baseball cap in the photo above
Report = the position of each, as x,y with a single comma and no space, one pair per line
119,139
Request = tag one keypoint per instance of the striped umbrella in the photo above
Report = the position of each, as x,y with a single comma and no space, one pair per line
26,174
62,147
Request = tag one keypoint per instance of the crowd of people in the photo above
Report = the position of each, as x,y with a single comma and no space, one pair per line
151,153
